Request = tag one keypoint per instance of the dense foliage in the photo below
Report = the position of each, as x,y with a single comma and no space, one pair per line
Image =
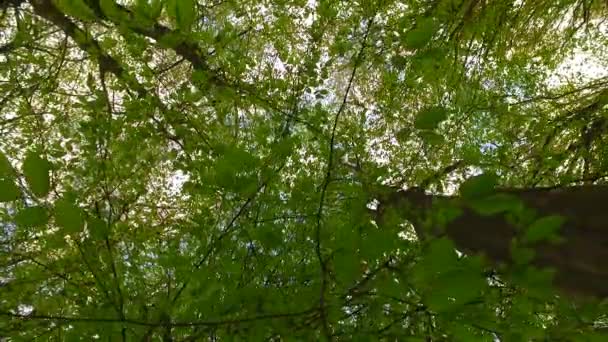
202,170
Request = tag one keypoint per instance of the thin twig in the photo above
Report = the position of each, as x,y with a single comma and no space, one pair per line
327,180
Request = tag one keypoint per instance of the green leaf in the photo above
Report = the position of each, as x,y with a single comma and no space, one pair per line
421,34
270,236
183,12
378,241
446,214
346,266
171,40
68,216
440,254
522,255
36,172
447,282
32,217
283,150
439,257
544,228
9,191
233,169
403,135
200,78
6,169
76,8
497,204
150,9
592,337
478,187
454,289
400,62
463,333
391,287
97,228
156,8
432,138
112,11
537,282
430,117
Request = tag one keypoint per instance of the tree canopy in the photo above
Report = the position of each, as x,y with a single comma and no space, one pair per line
193,170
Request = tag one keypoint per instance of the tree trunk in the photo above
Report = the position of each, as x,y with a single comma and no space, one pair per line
580,260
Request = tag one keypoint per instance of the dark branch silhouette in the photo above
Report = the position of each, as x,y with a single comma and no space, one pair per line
580,259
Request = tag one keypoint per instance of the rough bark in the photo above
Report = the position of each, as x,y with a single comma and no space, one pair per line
580,260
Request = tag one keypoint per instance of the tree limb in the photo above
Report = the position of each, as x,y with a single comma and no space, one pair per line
580,261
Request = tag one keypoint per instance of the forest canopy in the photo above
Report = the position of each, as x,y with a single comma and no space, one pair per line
193,170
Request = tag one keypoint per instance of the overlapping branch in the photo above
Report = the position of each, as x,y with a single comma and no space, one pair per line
210,323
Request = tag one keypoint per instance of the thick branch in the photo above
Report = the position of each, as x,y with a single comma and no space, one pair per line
580,261
226,322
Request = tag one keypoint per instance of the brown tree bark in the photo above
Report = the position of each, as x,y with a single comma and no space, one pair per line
580,260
